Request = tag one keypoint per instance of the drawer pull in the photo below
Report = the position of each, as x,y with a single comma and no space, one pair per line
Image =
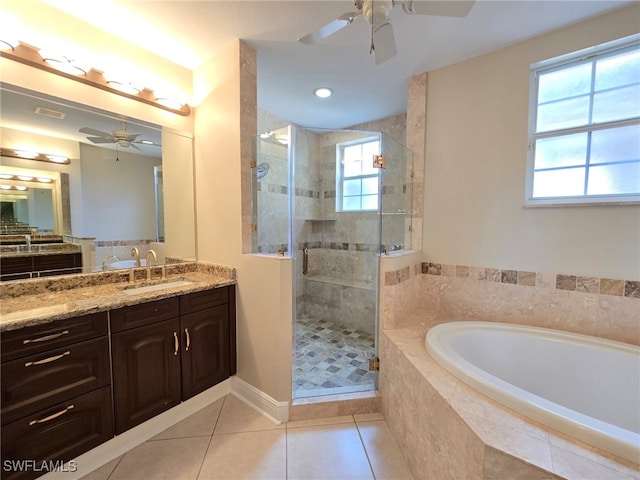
48,360
186,331
45,338
176,342
50,417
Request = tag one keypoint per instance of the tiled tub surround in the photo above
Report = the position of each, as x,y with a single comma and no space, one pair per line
33,302
448,430
600,307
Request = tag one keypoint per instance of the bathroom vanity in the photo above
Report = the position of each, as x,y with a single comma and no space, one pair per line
31,256
100,360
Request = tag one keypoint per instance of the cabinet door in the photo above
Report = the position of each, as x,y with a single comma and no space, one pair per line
146,372
40,442
205,353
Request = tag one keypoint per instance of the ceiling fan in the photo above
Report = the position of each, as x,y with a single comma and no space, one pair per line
377,12
120,137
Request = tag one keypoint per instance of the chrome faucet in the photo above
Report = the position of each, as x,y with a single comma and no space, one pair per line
135,253
150,254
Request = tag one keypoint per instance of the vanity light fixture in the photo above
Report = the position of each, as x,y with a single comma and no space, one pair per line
63,63
323,92
25,178
23,154
122,85
11,187
28,155
171,103
8,44
68,67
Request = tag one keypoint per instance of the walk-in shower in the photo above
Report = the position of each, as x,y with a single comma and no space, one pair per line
333,200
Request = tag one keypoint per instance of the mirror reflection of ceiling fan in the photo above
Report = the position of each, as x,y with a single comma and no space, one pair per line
121,137
377,12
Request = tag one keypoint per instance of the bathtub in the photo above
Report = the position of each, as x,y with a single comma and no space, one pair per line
585,387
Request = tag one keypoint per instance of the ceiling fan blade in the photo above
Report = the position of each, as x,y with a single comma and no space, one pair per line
93,131
132,145
131,137
384,43
101,139
455,8
329,29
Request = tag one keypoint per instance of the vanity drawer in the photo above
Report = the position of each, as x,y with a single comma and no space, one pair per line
59,433
144,314
194,302
39,338
37,382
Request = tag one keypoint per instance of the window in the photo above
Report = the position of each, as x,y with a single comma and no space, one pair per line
585,127
357,179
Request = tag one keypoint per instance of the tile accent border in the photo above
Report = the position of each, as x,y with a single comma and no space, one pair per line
577,283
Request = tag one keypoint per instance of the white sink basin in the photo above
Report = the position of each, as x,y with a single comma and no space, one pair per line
156,287
120,264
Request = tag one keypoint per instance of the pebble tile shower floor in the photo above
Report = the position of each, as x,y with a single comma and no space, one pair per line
331,359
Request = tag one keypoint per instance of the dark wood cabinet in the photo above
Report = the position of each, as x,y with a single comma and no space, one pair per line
32,445
35,382
205,352
19,267
56,394
146,372
66,389
169,350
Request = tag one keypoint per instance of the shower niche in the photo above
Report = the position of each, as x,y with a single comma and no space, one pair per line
318,198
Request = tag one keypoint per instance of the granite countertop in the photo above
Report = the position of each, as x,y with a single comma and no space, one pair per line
9,251
92,293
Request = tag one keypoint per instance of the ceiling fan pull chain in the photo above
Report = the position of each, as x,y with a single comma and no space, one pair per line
372,47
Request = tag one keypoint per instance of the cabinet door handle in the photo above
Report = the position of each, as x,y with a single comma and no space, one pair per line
50,417
45,338
49,359
176,343
186,331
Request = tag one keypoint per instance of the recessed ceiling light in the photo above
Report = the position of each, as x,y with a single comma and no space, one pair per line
322,92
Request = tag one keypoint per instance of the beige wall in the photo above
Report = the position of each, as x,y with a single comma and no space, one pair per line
41,25
225,122
475,163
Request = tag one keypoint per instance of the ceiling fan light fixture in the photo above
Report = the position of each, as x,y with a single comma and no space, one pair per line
323,92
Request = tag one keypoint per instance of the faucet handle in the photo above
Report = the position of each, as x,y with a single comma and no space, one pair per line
135,253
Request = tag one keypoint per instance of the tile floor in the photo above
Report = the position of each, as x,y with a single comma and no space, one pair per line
229,440
330,359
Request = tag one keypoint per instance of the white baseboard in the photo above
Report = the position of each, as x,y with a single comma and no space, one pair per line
119,445
277,412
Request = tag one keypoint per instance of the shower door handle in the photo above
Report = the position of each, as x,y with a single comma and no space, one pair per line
305,261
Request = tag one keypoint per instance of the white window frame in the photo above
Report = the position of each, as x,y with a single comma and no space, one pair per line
559,62
340,172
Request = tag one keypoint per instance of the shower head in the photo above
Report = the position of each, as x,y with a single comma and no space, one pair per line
262,170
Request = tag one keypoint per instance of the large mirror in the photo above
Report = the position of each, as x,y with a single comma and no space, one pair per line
128,183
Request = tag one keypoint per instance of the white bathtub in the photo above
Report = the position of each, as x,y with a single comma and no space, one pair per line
586,387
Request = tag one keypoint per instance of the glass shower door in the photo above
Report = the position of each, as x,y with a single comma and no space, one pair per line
336,262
